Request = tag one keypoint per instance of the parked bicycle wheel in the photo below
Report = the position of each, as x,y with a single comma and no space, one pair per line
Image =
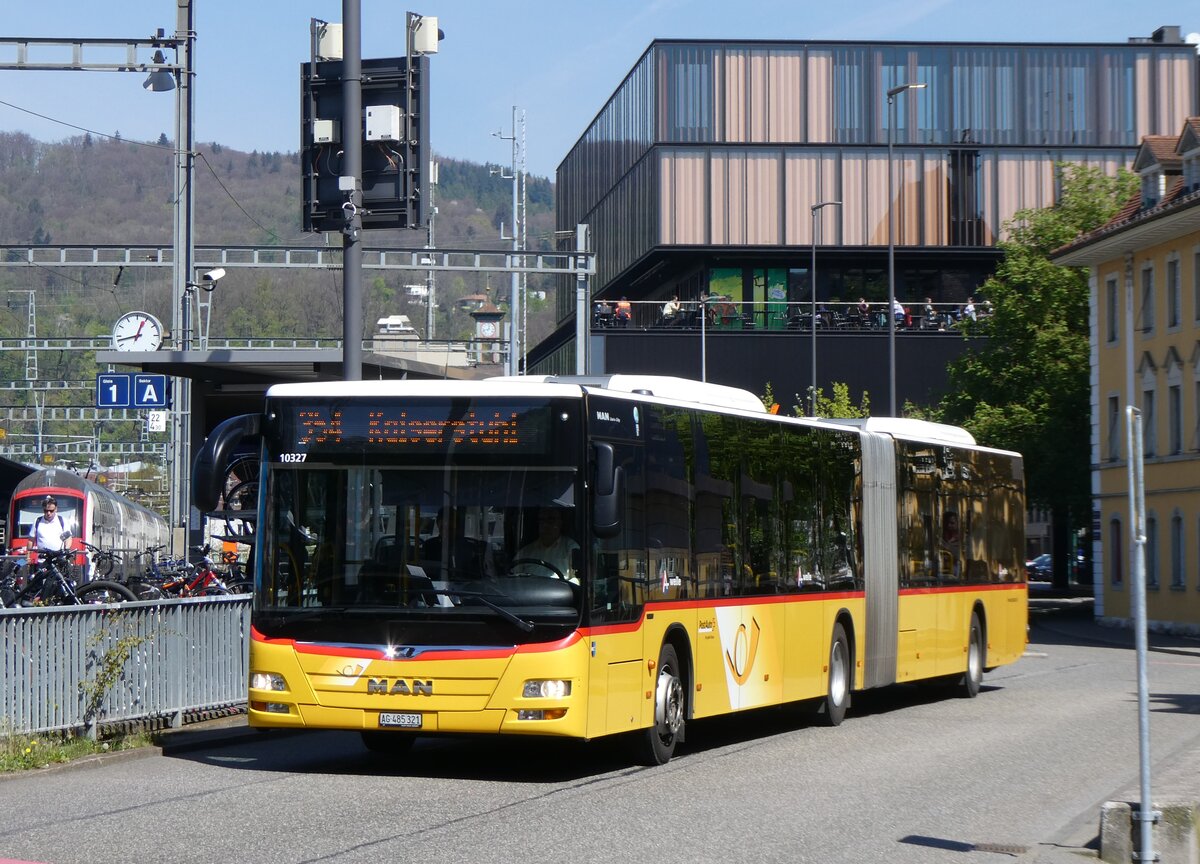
103,591
143,590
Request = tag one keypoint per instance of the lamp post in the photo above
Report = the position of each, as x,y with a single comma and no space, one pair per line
891,101
816,208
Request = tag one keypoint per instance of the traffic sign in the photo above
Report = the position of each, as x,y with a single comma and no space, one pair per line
150,391
112,390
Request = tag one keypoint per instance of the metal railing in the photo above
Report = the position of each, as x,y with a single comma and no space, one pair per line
718,314
76,669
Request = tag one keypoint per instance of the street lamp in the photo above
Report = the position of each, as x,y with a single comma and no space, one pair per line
816,208
891,101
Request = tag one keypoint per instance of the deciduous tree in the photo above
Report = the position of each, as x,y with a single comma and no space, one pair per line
1026,387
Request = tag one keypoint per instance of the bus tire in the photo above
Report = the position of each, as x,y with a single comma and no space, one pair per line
388,743
833,707
973,677
657,743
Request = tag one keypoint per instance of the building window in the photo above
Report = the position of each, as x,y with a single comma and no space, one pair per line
1146,312
1196,285
1175,417
1150,190
1196,427
1116,569
1148,429
1114,428
1174,300
1177,551
1151,551
1111,308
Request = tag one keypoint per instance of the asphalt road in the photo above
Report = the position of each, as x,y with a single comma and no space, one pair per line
911,776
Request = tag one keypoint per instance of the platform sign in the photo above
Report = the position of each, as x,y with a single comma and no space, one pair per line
112,390
149,391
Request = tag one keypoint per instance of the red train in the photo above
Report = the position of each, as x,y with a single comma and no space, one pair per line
91,512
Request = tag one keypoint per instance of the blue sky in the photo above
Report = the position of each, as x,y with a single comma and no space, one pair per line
556,61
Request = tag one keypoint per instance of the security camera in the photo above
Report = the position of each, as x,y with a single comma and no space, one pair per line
208,281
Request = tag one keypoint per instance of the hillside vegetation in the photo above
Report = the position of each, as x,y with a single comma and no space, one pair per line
94,190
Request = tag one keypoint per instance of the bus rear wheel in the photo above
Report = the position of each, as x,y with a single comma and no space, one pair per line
837,694
657,744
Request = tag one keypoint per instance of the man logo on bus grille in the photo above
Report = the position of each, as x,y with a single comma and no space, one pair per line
401,687
745,649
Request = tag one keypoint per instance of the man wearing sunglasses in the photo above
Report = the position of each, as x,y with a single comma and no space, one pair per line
49,531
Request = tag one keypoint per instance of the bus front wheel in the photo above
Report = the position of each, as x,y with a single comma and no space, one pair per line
973,677
657,744
841,666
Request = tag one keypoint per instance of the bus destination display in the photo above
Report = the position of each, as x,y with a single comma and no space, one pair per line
491,428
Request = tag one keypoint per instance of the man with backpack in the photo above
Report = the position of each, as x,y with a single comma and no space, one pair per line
49,531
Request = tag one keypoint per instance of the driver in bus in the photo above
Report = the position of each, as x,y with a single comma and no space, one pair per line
49,531
550,545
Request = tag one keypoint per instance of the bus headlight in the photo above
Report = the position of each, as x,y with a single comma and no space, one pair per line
267,681
547,689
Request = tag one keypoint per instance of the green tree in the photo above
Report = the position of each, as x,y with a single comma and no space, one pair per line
1026,387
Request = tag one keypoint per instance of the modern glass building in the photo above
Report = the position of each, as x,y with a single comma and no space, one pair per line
700,172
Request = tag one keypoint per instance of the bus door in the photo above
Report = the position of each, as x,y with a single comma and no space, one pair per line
617,674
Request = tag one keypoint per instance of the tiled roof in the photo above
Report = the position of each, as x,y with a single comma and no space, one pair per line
1164,150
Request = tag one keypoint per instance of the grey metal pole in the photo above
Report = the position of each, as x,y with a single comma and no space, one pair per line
816,208
430,287
891,102
514,341
185,210
812,274
1145,815
350,183
583,328
891,231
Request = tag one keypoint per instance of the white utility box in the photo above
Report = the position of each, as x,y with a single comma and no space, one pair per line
383,122
327,131
329,41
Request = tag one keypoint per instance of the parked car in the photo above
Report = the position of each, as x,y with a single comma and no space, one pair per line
1039,569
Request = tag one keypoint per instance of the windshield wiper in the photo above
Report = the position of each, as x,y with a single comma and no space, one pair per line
526,626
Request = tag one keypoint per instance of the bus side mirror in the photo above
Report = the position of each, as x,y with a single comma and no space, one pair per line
609,492
208,471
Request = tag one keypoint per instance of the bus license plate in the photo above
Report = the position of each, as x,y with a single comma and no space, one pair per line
402,721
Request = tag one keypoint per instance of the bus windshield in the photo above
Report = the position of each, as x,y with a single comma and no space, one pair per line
433,522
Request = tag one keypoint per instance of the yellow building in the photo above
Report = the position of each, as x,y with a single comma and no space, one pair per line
1145,352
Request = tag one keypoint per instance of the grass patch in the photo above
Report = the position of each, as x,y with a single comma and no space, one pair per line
23,752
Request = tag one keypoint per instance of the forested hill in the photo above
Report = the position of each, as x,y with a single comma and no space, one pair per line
95,190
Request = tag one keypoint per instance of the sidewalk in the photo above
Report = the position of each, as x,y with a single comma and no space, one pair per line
1175,788
206,733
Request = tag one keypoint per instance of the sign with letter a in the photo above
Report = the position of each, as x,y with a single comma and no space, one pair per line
149,391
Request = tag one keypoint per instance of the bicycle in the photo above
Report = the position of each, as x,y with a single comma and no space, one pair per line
49,583
104,562
235,577
178,578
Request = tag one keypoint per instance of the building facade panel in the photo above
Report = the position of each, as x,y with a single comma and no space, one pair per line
1144,346
699,172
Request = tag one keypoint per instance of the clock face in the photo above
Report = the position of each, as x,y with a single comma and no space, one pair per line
137,331
487,328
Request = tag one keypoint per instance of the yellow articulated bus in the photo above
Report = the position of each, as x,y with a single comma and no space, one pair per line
593,556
